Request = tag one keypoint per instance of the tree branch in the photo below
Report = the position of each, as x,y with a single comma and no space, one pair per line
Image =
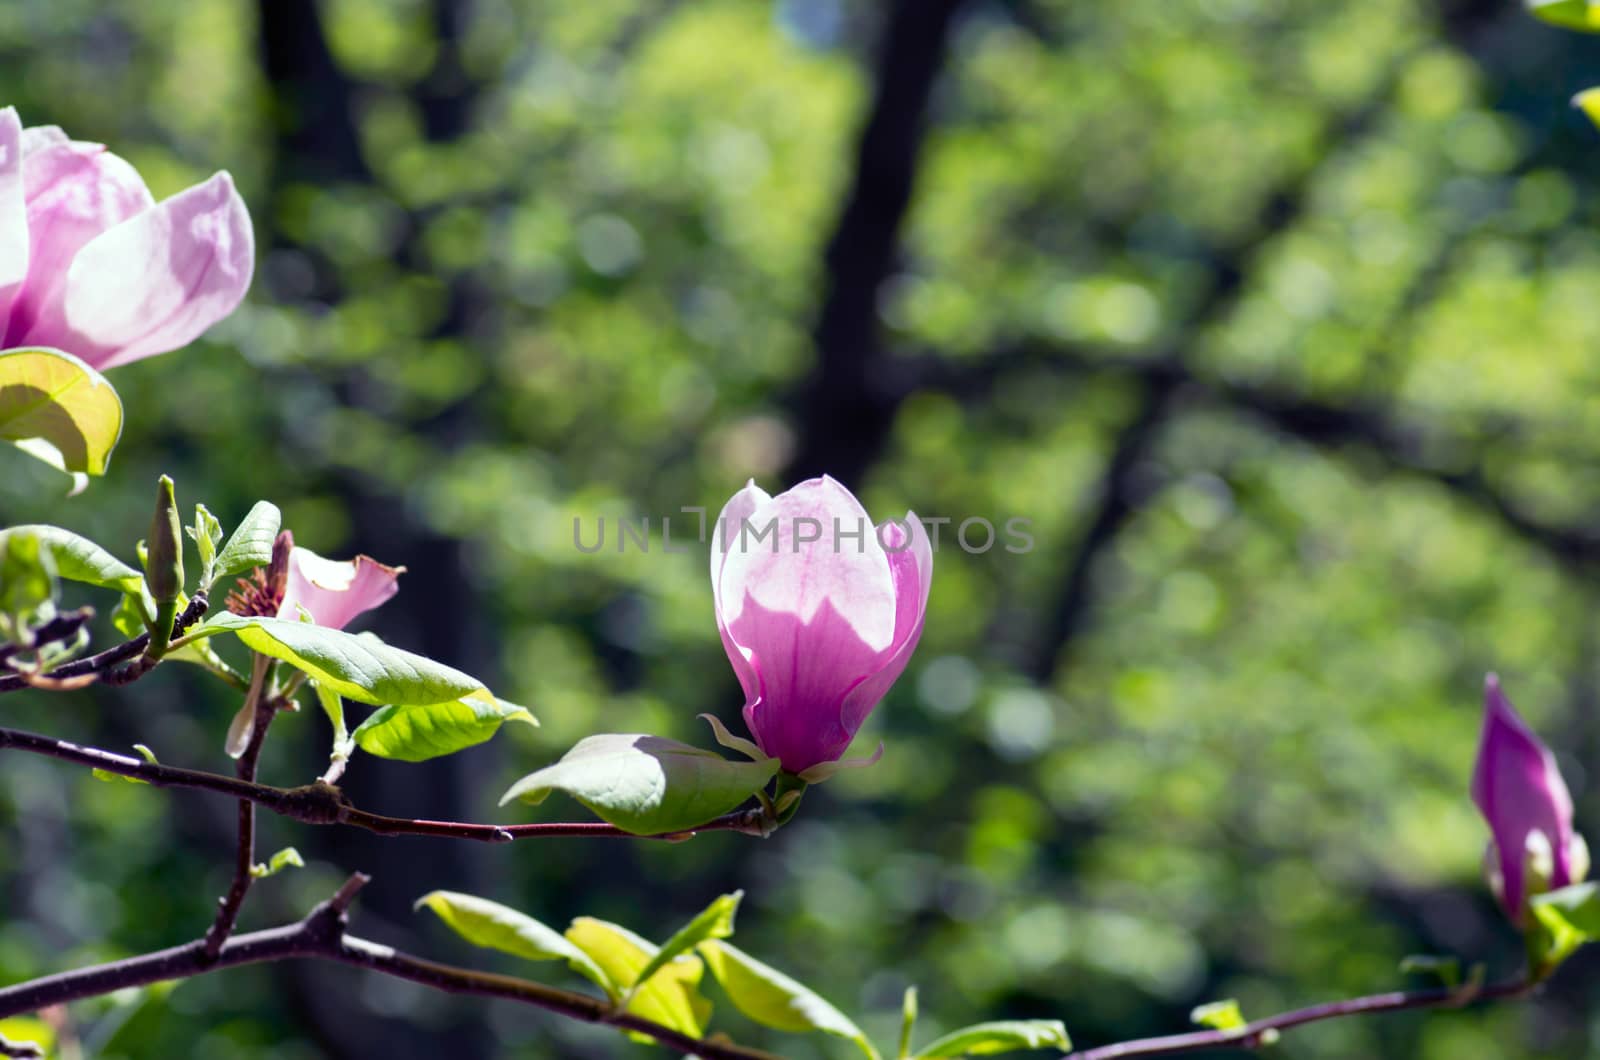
324,804
321,936
1265,1031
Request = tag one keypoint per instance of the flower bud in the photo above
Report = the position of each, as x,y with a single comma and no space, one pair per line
164,566
819,612
1519,790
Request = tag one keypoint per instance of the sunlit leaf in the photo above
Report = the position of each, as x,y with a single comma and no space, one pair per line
498,927
1564,920
419,732
50,396
671,997
1569,14
250,545
361,668
774,1000
1001,1036
645,784
715,921
78,559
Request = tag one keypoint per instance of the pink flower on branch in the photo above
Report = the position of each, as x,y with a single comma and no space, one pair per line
331,592
91,265
819,612
1519,789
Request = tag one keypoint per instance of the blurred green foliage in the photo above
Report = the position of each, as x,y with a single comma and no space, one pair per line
528,263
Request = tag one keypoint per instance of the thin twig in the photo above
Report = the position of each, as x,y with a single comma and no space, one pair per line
1264,1031
264,708
59,628
324,804
102,664
321,936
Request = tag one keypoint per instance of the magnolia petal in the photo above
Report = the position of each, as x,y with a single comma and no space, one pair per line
156,282
804,561
334,592
75,192
1518,787
727,530
806,670
38,137
13,213
911,564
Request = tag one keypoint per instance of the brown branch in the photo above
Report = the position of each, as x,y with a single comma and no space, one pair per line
264,707
1265,1031
321,936
324,804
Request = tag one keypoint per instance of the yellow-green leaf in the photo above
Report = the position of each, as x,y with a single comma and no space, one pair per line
672,996
51,397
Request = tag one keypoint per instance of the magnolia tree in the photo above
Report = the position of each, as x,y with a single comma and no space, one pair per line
817,627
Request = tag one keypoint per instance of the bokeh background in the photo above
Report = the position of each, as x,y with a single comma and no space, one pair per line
1277,318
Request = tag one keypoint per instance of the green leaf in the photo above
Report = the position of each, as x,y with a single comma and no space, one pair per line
19,1029
646,785
672,996
110,777
1581,15
713,922
207,535
774,1000
27,584
1588,101
498,927
51,397
286,858
1220,1015
1002,1036
80,560
333,706
362,668
419,732
250,546
1564,920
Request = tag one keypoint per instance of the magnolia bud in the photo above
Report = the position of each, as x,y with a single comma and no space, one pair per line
164,566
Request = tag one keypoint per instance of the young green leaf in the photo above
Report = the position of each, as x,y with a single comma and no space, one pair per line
250,546
51,397
333,706
908,1022
1563,921
207,535
645,784
672,996
361,668
1581,15
774,1000
1220,1015
715,921
27,585
286,858
21,1031
1002,1036
419,732
78,559
498,927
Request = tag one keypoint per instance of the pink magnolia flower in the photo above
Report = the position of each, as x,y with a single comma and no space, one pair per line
90,264
819,612
331,592
1520,791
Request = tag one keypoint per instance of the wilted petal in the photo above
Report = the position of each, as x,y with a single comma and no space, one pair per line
334,592
1518,787
13,214
157,281
75,191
